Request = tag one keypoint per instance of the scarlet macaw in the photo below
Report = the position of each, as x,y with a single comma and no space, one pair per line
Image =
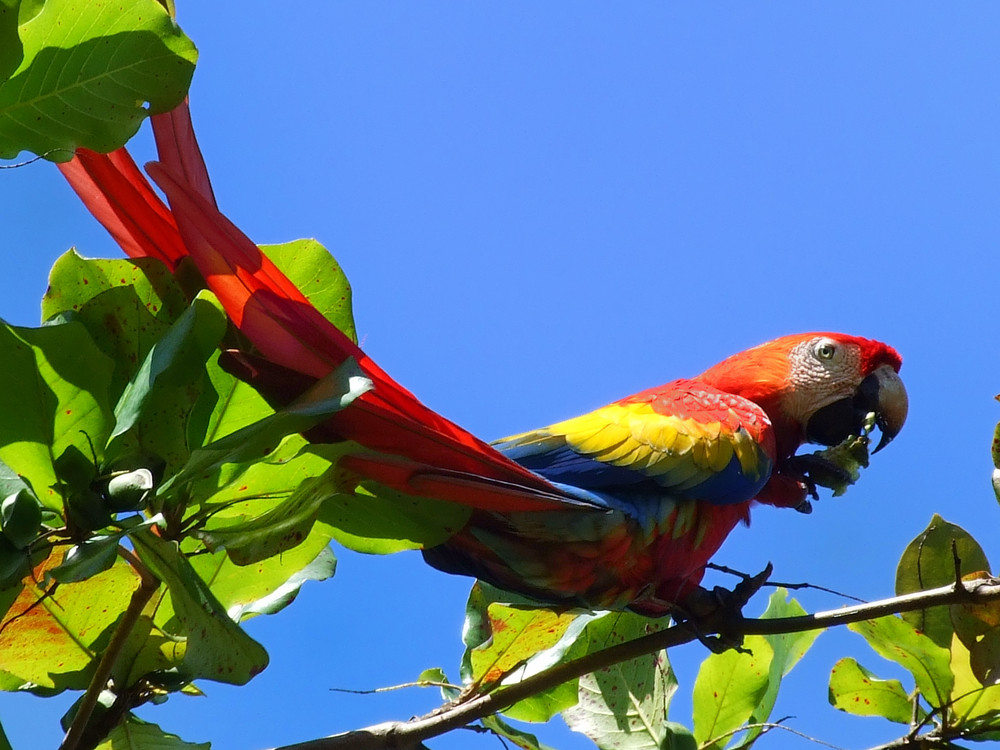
618,508
676,468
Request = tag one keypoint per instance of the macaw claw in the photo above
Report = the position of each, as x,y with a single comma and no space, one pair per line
720,611
835,468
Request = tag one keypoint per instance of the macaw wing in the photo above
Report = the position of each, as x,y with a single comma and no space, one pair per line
685,439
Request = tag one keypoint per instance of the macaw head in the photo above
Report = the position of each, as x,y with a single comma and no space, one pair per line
818,387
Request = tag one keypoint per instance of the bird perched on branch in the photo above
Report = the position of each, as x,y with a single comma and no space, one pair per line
619,508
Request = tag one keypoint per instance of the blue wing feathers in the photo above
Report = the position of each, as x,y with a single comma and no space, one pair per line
589,478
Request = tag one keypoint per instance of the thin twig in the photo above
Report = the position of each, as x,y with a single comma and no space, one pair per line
33,159
391,688
765,728
785,585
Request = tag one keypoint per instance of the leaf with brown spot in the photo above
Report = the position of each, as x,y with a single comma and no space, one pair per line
518,634
855,690
54,640
216,648
895,639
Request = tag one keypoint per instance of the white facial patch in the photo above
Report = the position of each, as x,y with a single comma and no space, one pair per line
823,370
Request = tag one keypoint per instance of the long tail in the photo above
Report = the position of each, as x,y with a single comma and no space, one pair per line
428,454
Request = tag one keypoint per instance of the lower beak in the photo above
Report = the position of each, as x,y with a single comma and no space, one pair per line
882,392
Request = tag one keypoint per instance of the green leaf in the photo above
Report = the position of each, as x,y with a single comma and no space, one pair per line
977,626
626,706
125,305
857,691
87,559
928,562
985,657
234,404
729,687
788,649
54,640
278,530
150,654
136,734
616,719
13,564
246,514
477,632
972,703
11,51
377,520
517,635
20,517
87,511
995,447
524,648
281,593
95,554
28,10
87,72
995,450
520,738
53,395
152,413
270,585
896,640
432,674
734,689
477,635
214,647
279,526
264,588
10,481
330,394
318,275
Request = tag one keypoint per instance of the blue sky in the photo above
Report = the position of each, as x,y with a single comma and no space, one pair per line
544,207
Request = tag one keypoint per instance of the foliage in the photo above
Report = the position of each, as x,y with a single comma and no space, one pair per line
81,74
949,652
137,471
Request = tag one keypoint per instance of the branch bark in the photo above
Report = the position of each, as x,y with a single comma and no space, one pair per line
148,585
407,735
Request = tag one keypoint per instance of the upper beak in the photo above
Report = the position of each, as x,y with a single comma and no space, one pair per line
881,392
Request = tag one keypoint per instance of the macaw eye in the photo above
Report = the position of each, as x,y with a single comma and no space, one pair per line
825,349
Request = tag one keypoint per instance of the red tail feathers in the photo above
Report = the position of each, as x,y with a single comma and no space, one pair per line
281,323
116,193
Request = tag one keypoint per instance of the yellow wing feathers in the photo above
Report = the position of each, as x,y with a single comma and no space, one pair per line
683,439
636,436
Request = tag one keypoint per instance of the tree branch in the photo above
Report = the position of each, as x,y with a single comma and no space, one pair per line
407,735
140,597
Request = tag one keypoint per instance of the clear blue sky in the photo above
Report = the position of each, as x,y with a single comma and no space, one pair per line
545,206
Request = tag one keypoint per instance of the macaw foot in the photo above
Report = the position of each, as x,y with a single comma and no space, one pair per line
720,611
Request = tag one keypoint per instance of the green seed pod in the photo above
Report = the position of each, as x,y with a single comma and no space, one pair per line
130,491
20,517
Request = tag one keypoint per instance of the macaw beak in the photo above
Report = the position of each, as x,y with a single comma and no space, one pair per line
881,392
